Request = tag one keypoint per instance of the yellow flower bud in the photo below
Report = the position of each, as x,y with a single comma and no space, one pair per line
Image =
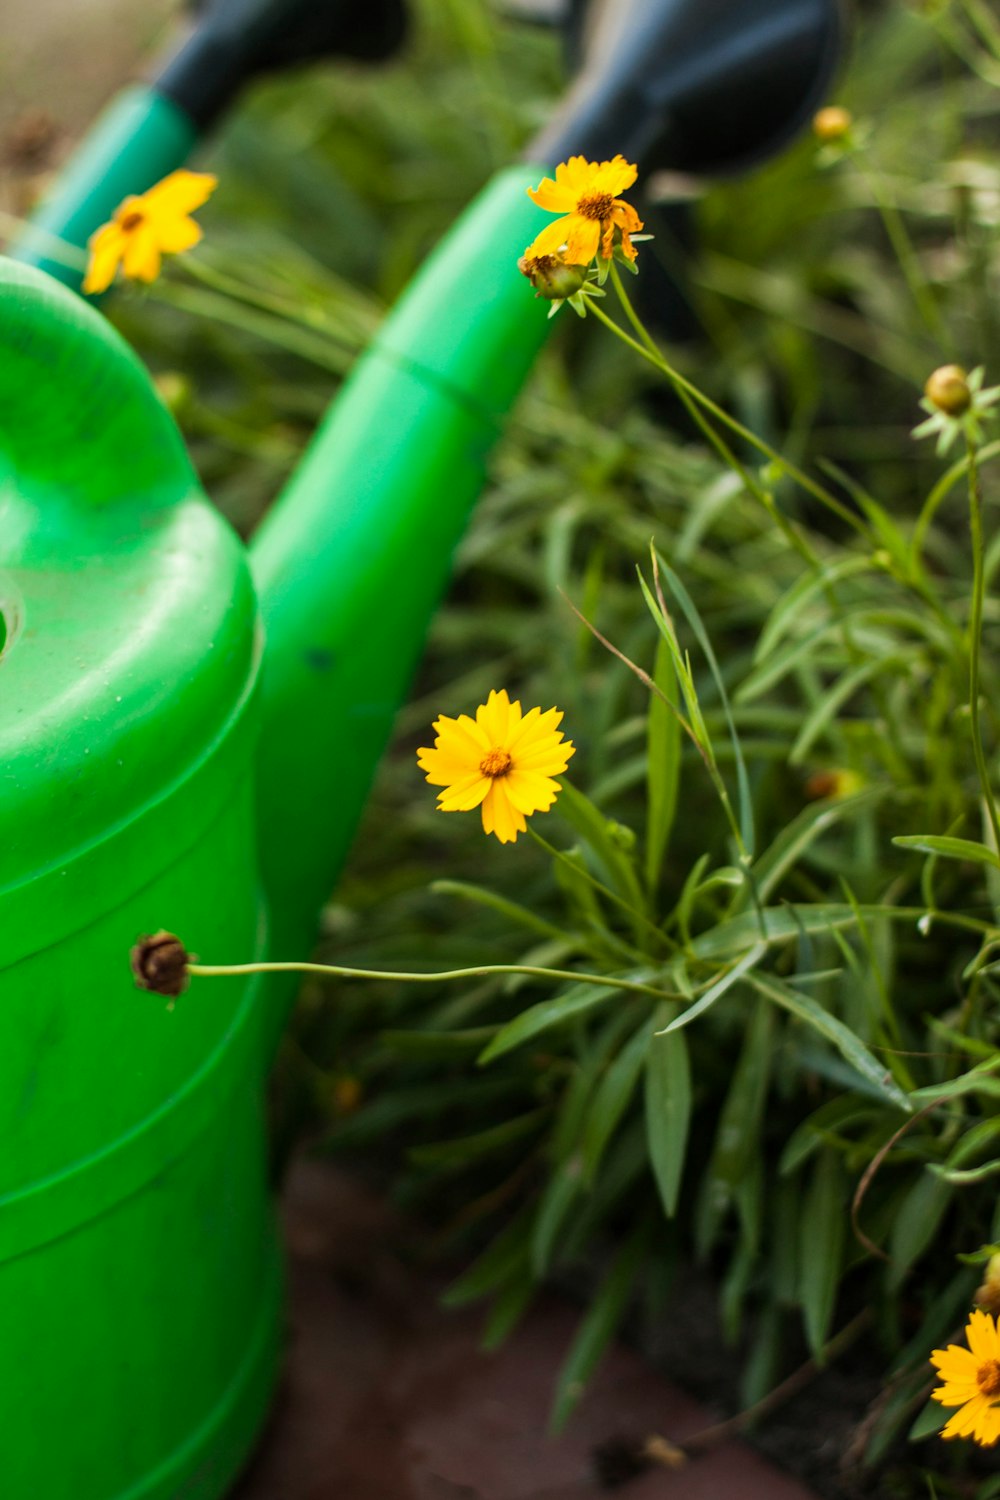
987,1296
831,124
948,390
551,276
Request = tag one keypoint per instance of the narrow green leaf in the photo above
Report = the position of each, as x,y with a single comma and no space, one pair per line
821,1246
791,605
834,697
663,750
599,1325
966,849
509,909
850,1047
598,832
556,1201
574,1002
915,1224
718,989
467,1148
611,1098
701,635
668,1108
503,1258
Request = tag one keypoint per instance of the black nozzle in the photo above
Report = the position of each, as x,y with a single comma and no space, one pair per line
697,86
233,40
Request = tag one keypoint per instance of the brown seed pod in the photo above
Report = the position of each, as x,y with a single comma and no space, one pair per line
160,963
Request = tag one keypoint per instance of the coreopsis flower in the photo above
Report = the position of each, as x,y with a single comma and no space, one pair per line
147,226
972,1382
502,761
585,194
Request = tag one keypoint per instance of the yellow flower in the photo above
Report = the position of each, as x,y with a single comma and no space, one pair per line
145,227
972,1382
501,760
584,192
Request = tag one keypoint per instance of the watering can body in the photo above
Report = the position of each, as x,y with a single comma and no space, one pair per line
159,768
139,1275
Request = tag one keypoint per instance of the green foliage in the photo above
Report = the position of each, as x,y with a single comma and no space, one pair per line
775,818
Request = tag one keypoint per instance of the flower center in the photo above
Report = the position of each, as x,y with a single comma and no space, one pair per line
988,1377
497,762
132,219
596,206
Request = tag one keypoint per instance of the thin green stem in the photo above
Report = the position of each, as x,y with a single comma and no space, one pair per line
681,384
338,971
905,254
975,637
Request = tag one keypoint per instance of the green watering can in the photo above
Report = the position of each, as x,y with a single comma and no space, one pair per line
187,735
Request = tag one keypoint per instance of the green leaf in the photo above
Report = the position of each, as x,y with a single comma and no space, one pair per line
572,1003
837,695
556,1201
663,749
915,1225
718,989
668,1108
597,831
966,849
797,599
469,1148
701,635
599,1325
793,840
850,1047
929,1424
504,1258
612,1097
821,1247
509,1306
509,909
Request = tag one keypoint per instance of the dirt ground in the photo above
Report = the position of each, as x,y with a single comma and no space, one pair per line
60,62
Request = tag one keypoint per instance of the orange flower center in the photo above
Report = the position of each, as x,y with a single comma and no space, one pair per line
596,206
132,219
988,1377
497,762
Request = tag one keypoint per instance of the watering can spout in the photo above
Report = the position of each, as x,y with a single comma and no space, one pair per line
352,560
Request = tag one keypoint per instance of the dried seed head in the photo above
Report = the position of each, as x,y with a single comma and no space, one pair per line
987,1296
948,390
160,963
551,276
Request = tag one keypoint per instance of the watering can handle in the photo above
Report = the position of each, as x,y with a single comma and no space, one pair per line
354,556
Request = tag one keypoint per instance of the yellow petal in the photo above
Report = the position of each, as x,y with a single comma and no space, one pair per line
981,1333
442,769
465,794
174,235
497,717
582,239
179,193
461,738
551,239
500,817
107,246
614,176
555,199
577,175
955,1363
535,726
529,793
141,260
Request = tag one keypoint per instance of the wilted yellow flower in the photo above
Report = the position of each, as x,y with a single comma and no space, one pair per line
501,761
552,276
147,226
584,192
971,1382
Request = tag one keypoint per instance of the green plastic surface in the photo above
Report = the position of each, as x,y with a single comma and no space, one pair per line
139,1282
352,560
139,1286
140,138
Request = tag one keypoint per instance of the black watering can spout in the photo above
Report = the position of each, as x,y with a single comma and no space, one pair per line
699,86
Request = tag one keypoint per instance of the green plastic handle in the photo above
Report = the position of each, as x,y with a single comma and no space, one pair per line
140,138
352,560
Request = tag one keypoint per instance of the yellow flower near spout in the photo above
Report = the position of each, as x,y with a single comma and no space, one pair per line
972,1382
585,193
147,226
502,761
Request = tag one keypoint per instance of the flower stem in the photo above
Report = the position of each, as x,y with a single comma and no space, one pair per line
683,386
481,971
975,636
